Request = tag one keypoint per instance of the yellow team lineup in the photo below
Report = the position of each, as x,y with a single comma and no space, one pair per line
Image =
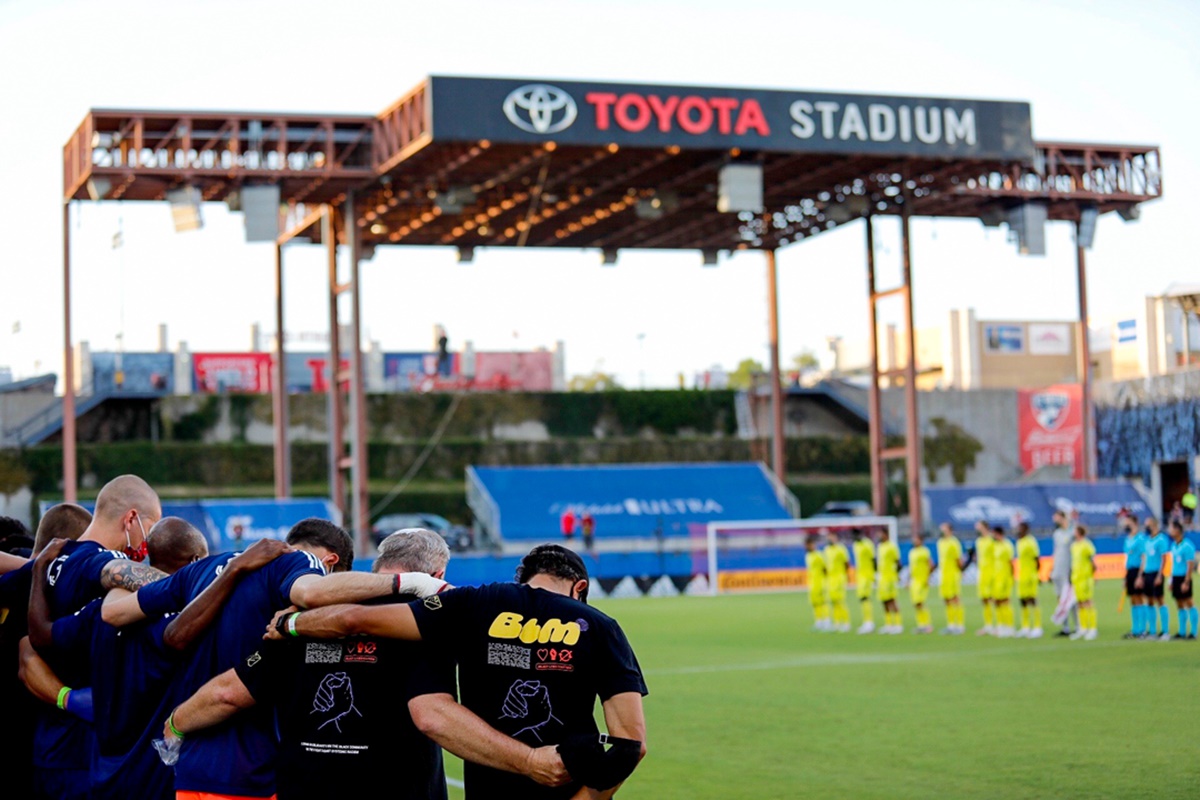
1002,566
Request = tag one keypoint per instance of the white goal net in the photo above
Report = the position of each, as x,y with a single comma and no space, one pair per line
762,556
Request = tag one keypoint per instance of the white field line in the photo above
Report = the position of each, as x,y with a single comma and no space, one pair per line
851,659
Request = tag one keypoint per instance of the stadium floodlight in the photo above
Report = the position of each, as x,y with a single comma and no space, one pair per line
740,188
1130,213
991,217
185,208
1087,226
466,255
769,555
608,256
98,188
454,200
260,205
710,257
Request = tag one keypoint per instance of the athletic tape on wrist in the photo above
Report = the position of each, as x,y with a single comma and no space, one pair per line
291,624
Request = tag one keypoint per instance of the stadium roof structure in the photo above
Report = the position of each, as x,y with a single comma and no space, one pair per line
483,162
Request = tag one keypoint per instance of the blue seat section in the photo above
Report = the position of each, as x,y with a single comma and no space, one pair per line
628,500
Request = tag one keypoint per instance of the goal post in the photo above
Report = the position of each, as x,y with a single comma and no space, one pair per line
769,555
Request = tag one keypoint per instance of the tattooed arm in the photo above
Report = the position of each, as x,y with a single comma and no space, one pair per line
121,573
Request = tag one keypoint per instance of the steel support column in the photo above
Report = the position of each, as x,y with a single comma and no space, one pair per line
358,400
70,473
279,398
1085,365
912,430
777,431
874,405
337,483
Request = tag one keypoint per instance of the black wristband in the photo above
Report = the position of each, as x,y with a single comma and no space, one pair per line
281,624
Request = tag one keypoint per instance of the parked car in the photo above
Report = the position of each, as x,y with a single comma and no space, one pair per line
844,508
459,537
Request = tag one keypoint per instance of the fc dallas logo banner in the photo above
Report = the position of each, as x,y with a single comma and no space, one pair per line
1050,427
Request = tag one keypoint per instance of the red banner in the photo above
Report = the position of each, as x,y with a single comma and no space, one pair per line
232,372
1050,427
530,372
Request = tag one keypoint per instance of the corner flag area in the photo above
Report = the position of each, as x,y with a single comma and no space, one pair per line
748,702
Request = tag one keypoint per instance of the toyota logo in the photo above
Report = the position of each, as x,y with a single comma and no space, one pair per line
539,108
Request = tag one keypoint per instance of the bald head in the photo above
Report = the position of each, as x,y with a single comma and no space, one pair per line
173,543
124,494
63,521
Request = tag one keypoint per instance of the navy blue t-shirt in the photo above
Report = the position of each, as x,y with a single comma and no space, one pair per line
18,705
238,756
172,593
133,670
62,741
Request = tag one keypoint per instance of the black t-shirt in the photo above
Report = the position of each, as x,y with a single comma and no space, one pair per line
343,716
531,664
18,705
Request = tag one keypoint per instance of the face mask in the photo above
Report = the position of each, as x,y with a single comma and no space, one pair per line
139,553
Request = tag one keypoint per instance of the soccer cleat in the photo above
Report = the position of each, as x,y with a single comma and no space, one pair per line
947,631
1131,635
1004,632
1178,637
986,630
1091,635
1166,637
1077,635
1036,633
867,627
1191,637
924,629
1063,634
844,627
1023,633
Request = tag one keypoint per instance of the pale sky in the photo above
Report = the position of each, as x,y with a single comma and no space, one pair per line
1105,71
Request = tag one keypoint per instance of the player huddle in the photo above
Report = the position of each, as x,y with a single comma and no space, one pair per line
152,679
1003,566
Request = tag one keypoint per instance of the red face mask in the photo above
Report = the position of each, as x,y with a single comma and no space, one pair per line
140,552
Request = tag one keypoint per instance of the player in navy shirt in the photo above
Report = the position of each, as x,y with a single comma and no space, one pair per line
342,707
106,556
237,759
67,521
532,659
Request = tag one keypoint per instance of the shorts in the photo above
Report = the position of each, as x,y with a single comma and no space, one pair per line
951,587
1149,579
863,587
1027,588
919,592
1085,589
1131,588
887,589
837,590
1002,587
1177,590
985,585
816,595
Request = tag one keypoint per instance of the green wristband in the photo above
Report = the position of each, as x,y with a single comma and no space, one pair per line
171,726
62,697
291,624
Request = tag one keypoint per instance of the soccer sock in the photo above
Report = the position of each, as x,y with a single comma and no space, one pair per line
1007,617
841,613
1149,619
1093,615
1194,616
1024,617
1164,620
1085,622
868,611
1139,621
893,619
1035,617
960,616
1181,621
924,619
988,617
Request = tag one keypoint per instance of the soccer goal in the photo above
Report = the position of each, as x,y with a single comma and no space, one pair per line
768,556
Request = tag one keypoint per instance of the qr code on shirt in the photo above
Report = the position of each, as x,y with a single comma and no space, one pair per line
508,655
322,653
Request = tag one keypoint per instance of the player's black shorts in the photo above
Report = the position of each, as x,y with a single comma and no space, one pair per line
1131,588
1149,589
1177,590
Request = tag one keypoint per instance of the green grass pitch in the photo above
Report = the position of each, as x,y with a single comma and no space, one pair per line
747,702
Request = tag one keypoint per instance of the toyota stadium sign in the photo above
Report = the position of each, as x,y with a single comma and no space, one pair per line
636,115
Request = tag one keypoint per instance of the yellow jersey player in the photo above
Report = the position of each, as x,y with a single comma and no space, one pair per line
950,567
1083,581
837,576
864,577
887,555
1002,582
985,564
1028,563
815,562
920,567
